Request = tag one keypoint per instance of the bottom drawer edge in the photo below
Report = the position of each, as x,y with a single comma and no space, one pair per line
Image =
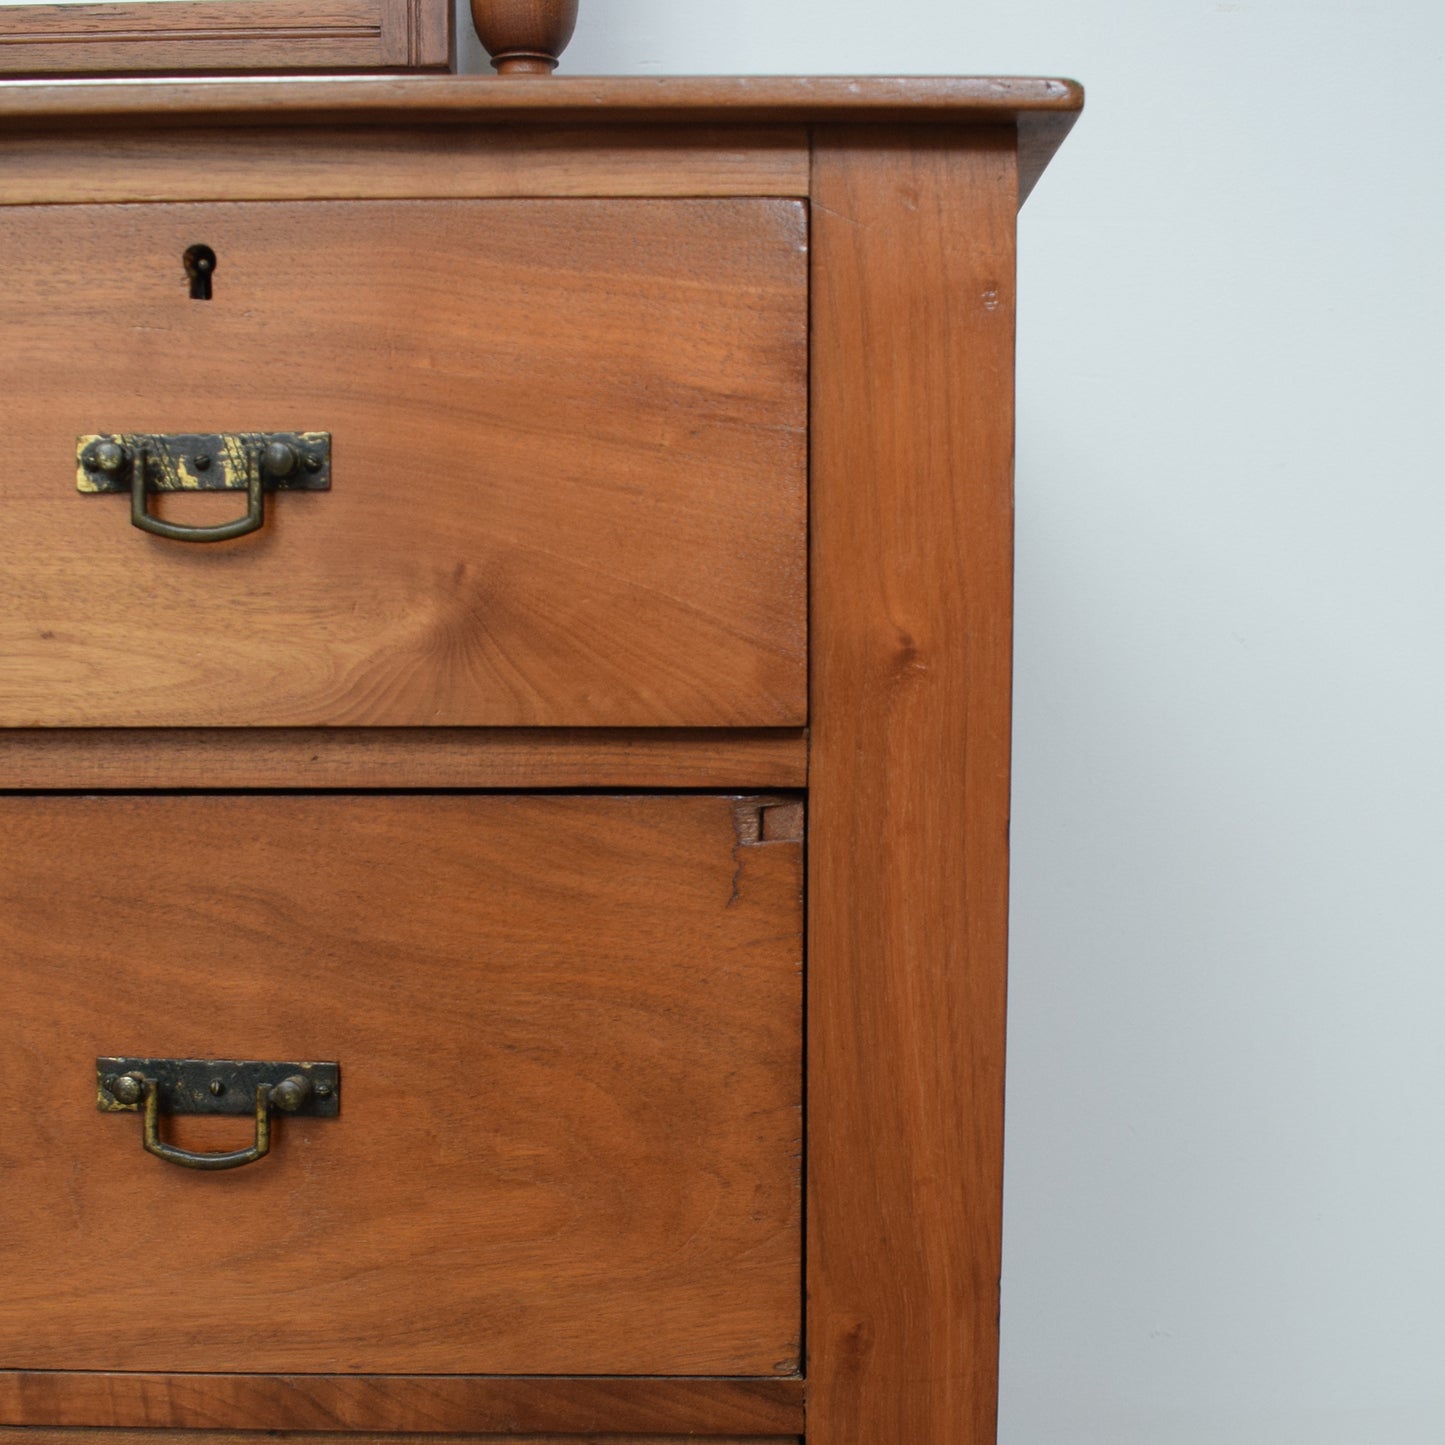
30,1435
734,1411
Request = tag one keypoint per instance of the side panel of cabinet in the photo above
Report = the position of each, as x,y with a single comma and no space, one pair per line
909,783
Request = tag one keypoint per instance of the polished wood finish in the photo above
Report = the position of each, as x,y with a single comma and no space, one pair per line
912,186
524,37
23,1436
379,163
909,784
599,100
327,758
569,455
569,1032
529,1405
172,37
1038,112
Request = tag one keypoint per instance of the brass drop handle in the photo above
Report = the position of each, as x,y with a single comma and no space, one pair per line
244,1087
288,1095
276,459
250,462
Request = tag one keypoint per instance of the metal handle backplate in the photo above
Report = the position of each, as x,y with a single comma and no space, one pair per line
214,1086
250,462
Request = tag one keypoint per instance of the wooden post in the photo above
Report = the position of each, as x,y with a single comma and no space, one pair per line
913,303
524,37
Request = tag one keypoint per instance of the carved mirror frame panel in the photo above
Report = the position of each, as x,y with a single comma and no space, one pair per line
224,37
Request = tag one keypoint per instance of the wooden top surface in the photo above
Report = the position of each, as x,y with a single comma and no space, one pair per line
629,100
1042,110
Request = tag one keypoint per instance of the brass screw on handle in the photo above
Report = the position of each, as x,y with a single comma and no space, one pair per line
128,1089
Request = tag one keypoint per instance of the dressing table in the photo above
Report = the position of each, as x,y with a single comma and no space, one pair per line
589,742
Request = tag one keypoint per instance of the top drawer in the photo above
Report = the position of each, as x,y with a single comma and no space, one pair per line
568,464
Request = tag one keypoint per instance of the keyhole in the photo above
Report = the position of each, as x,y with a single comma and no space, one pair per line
200,264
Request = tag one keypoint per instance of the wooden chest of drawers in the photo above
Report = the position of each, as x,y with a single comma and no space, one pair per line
669,441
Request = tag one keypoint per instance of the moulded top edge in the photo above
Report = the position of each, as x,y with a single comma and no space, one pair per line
630,100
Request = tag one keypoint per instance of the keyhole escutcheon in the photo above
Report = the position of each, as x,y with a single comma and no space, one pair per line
200,264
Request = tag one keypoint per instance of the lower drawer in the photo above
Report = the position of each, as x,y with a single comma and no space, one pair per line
569,1035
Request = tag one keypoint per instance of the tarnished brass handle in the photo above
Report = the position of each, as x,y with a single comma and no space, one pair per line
252,462
289,1095
222,532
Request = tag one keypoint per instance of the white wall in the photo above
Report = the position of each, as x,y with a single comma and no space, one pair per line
1226,1128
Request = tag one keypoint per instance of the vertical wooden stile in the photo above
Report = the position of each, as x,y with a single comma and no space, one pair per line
912,417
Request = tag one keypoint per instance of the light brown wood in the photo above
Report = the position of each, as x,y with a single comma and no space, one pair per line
381,163
326,758
568,465
171,37
1039,111
524,37
703,1409
1039,137
569,1032
911,561
23,1436
594,100
913,185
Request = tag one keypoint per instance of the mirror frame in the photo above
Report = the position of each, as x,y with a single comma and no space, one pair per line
224,37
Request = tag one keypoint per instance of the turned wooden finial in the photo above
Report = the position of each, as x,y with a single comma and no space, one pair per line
524,37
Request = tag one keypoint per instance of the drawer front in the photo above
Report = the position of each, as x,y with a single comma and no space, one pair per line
569,1039
568,464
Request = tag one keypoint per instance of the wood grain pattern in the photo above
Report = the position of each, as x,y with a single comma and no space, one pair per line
592,100
170,37
911,572
568,1407
1040,111
568,460
569,1032
24,1436
914,185
381,163
324,758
